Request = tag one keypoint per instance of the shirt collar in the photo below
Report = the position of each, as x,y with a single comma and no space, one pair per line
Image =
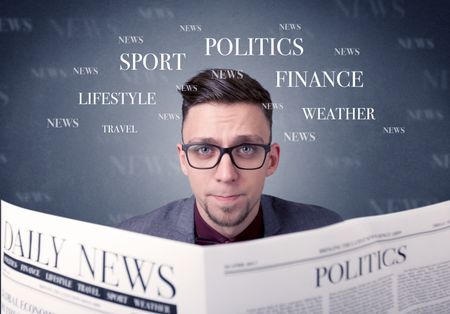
205,234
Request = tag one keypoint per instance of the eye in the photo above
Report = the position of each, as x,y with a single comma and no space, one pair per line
202,150
246,149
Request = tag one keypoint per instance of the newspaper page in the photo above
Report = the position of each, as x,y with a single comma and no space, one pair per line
394,263
58,265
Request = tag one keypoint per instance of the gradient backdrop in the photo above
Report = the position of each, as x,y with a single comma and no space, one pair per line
353,167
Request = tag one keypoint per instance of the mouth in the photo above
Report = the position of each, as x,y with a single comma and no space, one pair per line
226,198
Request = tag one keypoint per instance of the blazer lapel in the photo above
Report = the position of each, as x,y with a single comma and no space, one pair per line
183,229
271,221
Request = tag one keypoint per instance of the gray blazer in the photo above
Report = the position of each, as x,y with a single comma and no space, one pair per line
175,220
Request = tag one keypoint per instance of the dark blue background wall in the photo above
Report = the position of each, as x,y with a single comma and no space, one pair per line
357,168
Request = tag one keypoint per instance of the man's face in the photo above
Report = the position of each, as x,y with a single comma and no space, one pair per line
227,198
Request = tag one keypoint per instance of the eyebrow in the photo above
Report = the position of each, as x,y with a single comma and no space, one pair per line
256,139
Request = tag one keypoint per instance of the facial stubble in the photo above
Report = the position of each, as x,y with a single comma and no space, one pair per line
227,223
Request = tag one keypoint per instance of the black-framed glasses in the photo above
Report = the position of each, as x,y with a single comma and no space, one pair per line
244,156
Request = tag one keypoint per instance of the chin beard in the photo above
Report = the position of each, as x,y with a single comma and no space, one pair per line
225,220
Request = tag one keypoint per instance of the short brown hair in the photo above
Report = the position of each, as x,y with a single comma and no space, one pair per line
229,89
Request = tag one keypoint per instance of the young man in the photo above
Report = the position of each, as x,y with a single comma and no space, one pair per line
227,154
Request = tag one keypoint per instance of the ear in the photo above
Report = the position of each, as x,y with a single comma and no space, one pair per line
273,159
183,161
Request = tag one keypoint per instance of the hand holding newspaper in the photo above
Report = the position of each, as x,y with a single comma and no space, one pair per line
394,263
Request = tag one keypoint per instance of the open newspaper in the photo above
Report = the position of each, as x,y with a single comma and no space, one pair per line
394,263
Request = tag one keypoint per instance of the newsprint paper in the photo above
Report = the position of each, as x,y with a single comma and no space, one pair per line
393,263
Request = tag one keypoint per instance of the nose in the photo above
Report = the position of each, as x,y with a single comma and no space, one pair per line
226,171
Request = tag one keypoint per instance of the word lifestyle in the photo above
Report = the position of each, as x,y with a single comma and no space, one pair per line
116,98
